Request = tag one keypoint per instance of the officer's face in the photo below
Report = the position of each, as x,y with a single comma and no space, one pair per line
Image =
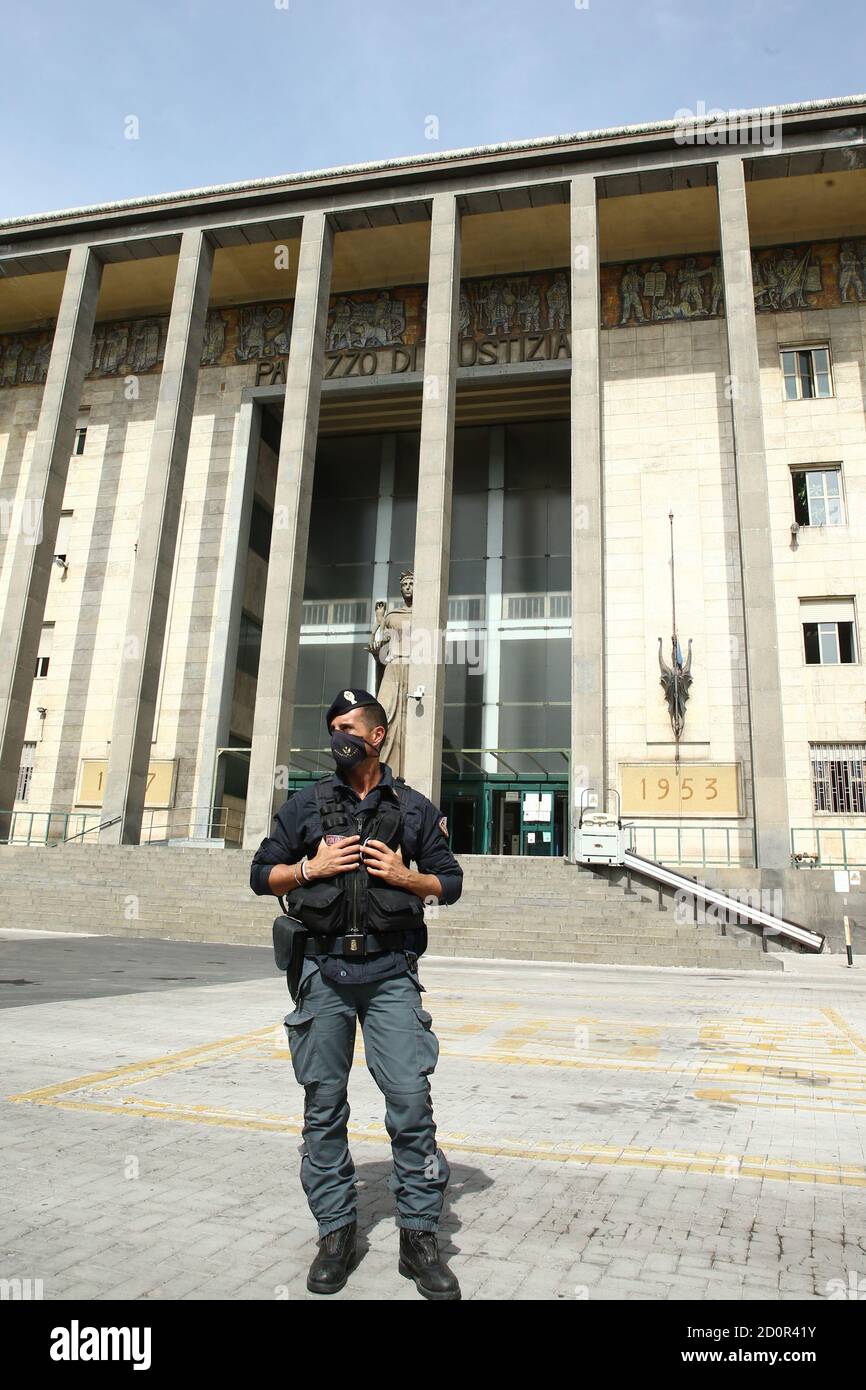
355,723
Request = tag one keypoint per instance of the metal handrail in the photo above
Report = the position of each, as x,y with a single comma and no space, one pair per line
104,826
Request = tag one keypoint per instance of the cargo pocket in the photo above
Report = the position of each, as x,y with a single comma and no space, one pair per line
426,1042
301,1030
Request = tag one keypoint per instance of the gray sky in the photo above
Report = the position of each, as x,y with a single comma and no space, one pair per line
241,89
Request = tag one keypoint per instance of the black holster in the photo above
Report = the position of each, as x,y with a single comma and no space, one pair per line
290,940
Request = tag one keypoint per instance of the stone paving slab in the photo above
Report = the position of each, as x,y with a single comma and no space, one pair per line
612,1132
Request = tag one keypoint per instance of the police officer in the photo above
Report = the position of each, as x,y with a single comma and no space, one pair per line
340,851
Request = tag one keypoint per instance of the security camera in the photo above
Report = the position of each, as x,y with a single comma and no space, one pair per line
417,693
41,711
61,563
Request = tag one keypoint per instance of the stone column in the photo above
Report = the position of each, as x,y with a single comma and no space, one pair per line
228,602
287,565
424,717
493,595
141,656
384,523
588,764
772,832
31,545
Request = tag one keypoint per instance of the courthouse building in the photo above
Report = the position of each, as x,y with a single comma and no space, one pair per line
231,419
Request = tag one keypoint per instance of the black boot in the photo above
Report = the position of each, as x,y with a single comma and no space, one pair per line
420,1260
330,1269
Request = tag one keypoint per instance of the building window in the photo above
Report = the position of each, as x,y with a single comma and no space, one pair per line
828,631
837,778
25,772
44,657
61,545
81,431
249,645
261,524
818,496
807,373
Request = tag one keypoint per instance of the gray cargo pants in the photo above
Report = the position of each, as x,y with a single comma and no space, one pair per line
401,1050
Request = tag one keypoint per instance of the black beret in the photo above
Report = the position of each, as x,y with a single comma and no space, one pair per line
346,700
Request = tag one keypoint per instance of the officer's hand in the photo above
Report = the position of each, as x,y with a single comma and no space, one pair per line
335,859
384,863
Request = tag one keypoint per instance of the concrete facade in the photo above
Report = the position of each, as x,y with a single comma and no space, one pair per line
676,402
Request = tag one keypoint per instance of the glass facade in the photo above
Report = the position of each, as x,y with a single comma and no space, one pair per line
507,653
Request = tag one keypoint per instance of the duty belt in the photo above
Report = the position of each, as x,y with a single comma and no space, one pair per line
355,946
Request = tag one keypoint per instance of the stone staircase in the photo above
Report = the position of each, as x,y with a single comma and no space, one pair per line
512,908
543,909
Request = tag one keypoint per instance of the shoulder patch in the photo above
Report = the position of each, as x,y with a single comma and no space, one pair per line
443,824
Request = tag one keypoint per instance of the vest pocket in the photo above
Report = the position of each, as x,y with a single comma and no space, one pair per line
392,908
320,907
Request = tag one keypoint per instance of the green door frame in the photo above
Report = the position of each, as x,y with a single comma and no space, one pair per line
482,791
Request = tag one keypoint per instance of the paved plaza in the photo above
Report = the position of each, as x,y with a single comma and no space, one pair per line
612,1132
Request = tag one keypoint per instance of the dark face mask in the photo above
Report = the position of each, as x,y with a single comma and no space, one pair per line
347,750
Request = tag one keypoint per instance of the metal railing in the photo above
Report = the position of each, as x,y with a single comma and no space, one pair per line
48,827
92,830
828,847
700,845
158,826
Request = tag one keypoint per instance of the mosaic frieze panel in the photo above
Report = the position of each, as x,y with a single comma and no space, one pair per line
660,290
820,275
502,318
814,275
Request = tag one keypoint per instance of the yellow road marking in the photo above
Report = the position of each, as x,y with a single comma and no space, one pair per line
725,1165
838,1022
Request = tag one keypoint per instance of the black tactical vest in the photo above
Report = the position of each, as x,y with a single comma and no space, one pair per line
355,901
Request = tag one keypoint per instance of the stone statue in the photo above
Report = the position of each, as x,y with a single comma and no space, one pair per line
676,681
391,644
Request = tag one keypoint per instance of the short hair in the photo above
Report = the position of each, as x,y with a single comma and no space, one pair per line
374,714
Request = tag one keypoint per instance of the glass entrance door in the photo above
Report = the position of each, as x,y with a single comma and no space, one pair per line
506,817
527,819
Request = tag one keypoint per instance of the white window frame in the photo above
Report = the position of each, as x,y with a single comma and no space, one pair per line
46,641
828,629
823,468
811,348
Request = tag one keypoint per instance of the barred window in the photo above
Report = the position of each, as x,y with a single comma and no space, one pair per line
838,778
25,772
